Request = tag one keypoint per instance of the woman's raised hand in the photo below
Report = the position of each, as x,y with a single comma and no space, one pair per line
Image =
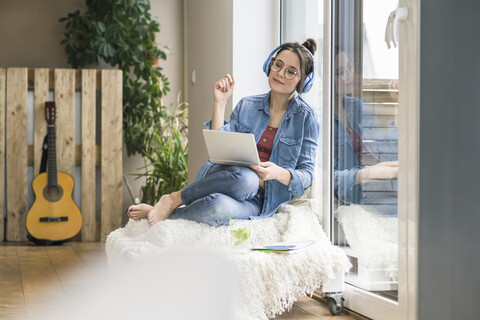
223,89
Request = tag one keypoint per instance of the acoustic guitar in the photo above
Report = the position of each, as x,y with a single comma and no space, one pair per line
54,216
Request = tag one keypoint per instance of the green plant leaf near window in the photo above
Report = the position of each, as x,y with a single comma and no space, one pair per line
122,34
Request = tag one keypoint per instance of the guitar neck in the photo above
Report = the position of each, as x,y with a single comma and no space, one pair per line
52,157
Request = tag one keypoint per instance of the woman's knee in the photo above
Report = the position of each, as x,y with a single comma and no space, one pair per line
247,178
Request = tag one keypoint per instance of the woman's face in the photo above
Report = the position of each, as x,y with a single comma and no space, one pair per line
285,63
344,75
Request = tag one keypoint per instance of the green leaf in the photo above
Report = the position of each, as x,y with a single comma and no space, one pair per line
101,26
110,50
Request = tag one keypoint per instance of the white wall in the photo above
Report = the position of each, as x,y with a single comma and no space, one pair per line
233,36
256,32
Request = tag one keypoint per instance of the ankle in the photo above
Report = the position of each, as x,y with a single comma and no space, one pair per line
176,196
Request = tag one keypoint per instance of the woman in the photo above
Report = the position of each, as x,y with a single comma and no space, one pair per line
352,165
286,131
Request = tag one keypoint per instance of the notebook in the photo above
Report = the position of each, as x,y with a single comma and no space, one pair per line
231,148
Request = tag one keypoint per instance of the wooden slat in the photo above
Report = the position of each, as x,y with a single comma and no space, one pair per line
383,84
16,151
380,134
382,109
51,79
39,124
88,154
78,156
379,197
377,96
65,120
111,207
2,151
378,121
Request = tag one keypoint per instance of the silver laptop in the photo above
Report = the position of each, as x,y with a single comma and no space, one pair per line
231,148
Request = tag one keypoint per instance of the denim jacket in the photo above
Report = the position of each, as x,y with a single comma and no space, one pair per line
345,162
294,147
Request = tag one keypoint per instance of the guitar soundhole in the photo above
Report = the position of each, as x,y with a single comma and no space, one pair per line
53,193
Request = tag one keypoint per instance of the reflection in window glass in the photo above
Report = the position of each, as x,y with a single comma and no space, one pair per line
365,144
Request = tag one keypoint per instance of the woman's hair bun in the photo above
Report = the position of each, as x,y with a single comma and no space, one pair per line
311,45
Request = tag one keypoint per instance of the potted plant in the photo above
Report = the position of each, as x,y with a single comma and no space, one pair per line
122,33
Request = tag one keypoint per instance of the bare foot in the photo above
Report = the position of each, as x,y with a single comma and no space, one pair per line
139,211
164,207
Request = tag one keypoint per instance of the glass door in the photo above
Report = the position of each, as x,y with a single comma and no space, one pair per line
365,148
370,143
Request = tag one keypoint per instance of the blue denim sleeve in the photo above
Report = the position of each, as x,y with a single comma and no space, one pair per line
344,185
302,175
227,125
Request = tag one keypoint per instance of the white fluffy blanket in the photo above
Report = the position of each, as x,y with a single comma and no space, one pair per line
374,238
268,283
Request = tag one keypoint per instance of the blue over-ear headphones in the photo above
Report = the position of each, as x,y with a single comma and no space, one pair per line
307,85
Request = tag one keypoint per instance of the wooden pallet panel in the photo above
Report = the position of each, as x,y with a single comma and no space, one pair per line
2,151
65,124
40,96
88,154
16,83
16,154
111,189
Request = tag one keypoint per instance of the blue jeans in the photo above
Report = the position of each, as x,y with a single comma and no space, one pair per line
225,191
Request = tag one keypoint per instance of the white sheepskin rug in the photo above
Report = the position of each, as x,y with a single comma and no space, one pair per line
374,238
266,284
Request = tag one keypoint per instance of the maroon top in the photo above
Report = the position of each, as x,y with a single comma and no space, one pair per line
356,144
265,144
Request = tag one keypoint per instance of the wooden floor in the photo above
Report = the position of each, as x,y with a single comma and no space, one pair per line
30,274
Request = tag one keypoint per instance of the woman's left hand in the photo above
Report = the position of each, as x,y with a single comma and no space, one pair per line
269,171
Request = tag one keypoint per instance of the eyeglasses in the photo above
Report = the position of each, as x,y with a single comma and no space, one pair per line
290,72
342,71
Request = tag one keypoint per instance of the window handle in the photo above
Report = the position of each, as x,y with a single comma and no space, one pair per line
391,29
388,29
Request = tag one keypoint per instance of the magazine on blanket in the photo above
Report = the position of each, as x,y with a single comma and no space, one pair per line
286,247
